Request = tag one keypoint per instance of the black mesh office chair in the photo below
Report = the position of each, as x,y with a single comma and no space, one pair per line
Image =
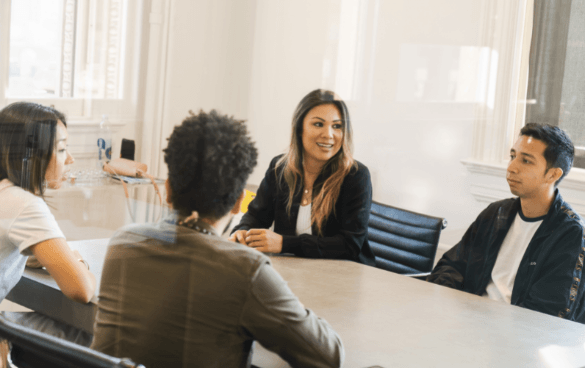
34,349
404,242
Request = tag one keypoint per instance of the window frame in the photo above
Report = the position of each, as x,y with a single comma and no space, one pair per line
86,110
495,131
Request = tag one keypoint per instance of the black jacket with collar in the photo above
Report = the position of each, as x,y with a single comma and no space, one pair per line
345,234
550,272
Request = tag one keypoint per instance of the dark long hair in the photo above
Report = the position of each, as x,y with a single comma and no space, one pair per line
335,170
28,133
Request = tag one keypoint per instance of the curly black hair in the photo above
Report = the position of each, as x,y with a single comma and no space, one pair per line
209,157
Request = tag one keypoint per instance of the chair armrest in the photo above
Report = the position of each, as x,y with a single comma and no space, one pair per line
419,276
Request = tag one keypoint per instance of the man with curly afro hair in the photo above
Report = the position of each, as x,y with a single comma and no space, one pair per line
209,158
176,294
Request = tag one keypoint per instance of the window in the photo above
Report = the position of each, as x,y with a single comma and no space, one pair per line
75,54
35,44
495,130
557,70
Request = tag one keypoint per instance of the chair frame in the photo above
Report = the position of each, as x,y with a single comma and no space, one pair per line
32,349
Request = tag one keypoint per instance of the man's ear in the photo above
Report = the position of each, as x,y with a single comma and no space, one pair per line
554,174
236,209
169,192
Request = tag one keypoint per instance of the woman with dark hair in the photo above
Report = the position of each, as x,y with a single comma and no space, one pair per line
317,195
33,157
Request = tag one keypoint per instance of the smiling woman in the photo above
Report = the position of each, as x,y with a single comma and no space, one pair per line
317,195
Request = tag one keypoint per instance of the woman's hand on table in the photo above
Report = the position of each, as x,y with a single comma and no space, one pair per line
239,237
264,240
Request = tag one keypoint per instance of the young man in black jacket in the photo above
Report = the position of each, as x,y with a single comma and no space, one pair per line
526,251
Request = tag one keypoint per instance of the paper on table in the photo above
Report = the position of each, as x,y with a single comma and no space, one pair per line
132,180
91,242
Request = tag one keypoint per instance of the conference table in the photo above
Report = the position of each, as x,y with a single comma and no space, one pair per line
384,319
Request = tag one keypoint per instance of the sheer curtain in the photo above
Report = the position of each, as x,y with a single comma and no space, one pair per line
556,82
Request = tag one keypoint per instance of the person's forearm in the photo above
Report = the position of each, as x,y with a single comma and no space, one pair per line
446,276
275,317
80,286
72,276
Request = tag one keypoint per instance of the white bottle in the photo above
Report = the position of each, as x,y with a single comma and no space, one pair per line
104,142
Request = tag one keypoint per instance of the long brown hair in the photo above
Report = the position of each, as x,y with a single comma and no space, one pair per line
28,134
334,171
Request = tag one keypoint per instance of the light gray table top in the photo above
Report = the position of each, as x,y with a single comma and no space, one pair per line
390,320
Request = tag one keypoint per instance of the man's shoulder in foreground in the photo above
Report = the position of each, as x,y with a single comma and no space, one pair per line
166,236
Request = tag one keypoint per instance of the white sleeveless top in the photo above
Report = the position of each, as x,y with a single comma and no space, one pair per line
304,220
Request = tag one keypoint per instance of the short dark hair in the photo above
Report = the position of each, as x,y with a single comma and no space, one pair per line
559,151
209,157
28,133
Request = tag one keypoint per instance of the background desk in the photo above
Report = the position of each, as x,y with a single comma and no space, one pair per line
383,318
96,210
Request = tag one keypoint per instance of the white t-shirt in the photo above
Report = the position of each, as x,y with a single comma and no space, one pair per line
304,220
25,220
509,257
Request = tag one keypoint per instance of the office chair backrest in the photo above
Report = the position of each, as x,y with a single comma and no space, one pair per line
404,242
34,349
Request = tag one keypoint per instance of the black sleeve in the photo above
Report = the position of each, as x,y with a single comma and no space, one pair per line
451,268
260,213
353,212
557,290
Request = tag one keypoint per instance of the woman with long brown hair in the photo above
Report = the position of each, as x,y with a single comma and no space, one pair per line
317,195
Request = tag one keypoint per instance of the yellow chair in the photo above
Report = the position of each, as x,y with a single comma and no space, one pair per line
248,197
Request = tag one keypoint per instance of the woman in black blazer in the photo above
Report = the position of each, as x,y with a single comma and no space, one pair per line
317,195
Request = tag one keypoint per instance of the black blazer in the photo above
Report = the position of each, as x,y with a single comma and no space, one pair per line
549,277
345,234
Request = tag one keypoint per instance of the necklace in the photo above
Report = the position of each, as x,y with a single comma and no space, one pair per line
308,192
194,226
306,196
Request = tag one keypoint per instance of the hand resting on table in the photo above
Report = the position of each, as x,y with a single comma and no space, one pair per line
263,240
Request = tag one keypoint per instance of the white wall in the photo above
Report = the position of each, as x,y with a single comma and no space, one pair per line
208,59
412,148
257,58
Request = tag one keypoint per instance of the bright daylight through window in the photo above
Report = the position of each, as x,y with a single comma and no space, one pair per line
66,48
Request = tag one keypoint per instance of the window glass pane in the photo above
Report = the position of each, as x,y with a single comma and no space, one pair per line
35,48
67,48
556,75
100,51
572,113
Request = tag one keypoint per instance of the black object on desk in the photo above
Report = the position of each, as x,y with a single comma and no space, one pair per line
128,149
